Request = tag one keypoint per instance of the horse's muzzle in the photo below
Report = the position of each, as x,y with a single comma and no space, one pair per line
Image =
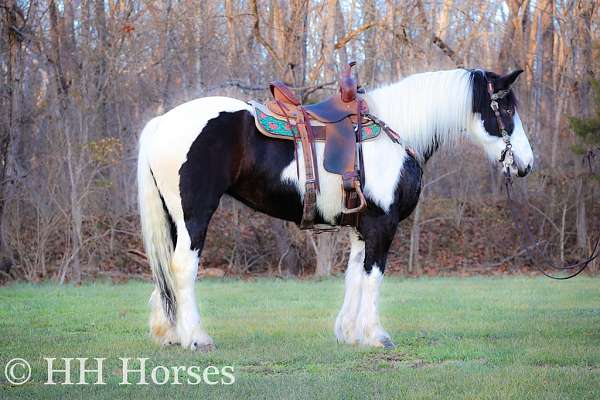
521,172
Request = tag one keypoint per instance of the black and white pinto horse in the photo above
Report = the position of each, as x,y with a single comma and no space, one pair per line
208,147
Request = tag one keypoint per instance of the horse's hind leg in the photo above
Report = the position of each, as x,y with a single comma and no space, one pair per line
204,177
185,269
161,329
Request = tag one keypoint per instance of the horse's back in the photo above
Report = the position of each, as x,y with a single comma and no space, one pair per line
166,140
178,128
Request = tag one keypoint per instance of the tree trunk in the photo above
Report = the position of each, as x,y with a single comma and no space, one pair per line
288,261
167,58
232,45
581,220
340,28
415,235
390,39
101,78
513,40
443,21
57,24
9,104
584,30
369,15
325,242
325,249
329,40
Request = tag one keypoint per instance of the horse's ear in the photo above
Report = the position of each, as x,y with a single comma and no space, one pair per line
505,81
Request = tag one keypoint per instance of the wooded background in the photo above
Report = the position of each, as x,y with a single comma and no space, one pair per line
79,79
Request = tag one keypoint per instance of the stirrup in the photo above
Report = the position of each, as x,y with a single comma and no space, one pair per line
361,197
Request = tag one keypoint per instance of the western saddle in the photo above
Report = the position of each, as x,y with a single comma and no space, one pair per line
338,122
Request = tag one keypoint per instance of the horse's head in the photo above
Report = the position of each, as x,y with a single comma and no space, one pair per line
494,129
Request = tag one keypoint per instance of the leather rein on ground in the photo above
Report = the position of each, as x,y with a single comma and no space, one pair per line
520,218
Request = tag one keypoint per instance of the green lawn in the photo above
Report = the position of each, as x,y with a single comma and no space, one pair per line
475,338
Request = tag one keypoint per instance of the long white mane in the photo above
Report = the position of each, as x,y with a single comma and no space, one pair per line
426,109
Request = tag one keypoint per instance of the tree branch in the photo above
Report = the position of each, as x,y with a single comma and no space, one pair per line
443,46
353,34
261,39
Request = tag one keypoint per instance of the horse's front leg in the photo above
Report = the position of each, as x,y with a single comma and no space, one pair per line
345,322
378,233
369,330
358,321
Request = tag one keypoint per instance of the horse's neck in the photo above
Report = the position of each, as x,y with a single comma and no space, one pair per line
426,110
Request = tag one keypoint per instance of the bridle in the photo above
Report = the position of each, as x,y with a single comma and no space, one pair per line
506,156
519,218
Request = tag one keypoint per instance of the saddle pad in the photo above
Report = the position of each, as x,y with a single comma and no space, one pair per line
278,127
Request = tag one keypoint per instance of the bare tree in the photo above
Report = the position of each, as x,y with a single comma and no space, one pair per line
79,79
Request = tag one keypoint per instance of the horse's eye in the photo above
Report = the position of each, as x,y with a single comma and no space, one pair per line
508,111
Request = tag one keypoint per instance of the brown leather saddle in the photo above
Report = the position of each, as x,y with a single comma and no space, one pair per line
338,122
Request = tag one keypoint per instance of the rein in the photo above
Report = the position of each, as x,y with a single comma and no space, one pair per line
519,218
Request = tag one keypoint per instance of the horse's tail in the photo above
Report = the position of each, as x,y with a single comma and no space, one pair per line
156,225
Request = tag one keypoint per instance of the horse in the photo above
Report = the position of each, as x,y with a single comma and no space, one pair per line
208,147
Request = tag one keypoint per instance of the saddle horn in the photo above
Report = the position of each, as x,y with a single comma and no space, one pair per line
348,84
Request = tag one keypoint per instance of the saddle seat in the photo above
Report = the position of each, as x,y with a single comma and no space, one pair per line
331,110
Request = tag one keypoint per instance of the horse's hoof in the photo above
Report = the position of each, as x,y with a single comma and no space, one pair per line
202,347
387,343
168,338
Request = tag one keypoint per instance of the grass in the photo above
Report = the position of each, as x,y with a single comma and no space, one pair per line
476,338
